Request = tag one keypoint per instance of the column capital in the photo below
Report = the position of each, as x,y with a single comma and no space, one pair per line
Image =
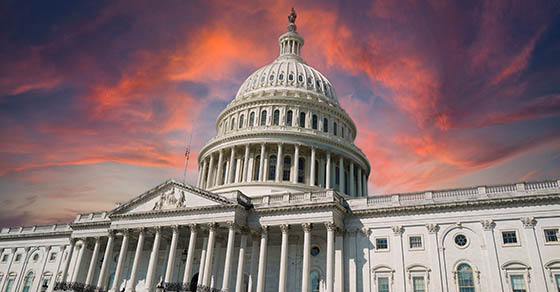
307,227
398,230
284,228
528,222
264,230
175,228
432,228
487,224
157,229
193,228
97,239
110,233
366,231
212,226
330,226
142,230
231,225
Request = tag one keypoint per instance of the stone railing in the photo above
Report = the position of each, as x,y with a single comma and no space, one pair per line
296,198
91,217
473,193
36,229
76,287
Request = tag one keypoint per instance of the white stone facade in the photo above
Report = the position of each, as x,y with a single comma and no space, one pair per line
260,225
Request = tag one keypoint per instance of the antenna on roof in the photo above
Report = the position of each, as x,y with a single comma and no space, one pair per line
188,150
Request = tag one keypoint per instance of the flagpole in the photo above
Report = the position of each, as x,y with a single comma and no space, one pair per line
187,151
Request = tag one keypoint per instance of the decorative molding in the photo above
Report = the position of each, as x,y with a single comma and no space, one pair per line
285,228
528,222
432,228
487,225
212,226
398,229
307,227
330,226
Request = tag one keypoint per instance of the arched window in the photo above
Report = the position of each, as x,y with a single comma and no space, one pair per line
287,168
465,278
252,119
224,170
337,176
289,116
257,167
302,119
342,130
28,281
316,172
335,129
10,284
241,120
272,167
263,118
314,281
301,171
276,117
232,123
314,122
325,125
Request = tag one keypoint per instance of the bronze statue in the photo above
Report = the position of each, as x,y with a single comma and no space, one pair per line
292,18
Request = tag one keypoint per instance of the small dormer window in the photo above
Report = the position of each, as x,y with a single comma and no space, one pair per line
262,79
318,84
281,77
291,77
300,78
271,77
309,81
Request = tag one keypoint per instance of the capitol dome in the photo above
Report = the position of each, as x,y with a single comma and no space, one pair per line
288,113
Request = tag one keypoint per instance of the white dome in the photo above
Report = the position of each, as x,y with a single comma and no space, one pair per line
287,73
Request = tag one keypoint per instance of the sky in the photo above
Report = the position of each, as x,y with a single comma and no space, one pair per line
97,97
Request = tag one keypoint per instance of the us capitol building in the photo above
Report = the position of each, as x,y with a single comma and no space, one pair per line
281,204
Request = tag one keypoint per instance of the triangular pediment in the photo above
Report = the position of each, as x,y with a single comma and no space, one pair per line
170,195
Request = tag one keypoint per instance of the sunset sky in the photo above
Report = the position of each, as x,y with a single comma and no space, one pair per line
97,97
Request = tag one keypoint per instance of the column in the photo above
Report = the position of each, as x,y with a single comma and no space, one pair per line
365,185
46,259
215,262
341,175
171,257
229,253
241,261
68,259
540,283
432,245
218,179
262,259
339,262
107,258
352,188
246,164
202,260
153,261
328,172
353,256
81,247
261,164
93,262
131,283
200,169
231,174
296,164
400,274
279,163
330,255
312,171
253,273
209,175
360,192
190,255
209,253
306,253
283,258
120,263
203,174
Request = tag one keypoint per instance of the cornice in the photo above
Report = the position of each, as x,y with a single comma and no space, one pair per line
159,213
311,206
36,235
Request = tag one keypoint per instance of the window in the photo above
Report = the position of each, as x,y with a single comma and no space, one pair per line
272,167
36,257
9,285
263,118
314,282
271,77
342,132
28,281
465,278
381,243
309,81
232,123
257,167
314,122
325,125
224,172
557,278
415,242
18,257
281,76
302,119
287,167
5,258
301,171
241,121
315,251
418,284
383,284
461,240
509,237
300,78
335,129
291,77
289,116
337,176
518,283
276,118
551,235
252,119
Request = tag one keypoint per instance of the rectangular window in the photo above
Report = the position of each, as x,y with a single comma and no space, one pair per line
509,237
415,242
418,284
551,235
4,258
18,257
518,283
9,285
382,284
557,278
53,256
381,243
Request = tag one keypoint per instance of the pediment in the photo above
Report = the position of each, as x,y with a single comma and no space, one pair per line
171,195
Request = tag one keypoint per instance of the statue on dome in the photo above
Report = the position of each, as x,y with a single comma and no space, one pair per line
292,18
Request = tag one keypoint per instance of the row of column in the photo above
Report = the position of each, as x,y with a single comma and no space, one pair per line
210,175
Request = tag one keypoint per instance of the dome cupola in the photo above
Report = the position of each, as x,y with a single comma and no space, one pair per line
284,132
